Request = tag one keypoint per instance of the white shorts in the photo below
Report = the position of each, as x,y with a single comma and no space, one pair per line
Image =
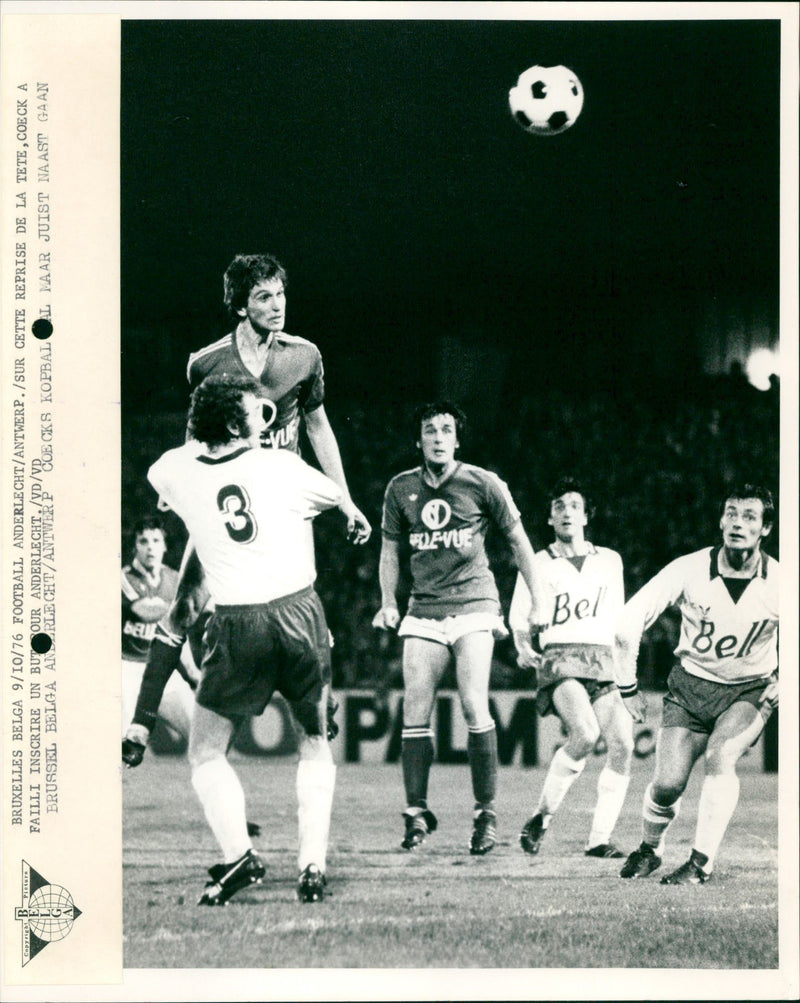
177,703
448,630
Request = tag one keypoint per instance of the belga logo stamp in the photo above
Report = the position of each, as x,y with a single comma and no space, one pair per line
47,913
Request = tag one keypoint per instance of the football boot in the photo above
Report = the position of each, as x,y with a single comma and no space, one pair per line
690,873
311,884
533,832
418,826
641,862
227,879
484,833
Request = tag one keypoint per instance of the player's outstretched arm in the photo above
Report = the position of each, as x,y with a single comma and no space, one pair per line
326,449
388,616
524,559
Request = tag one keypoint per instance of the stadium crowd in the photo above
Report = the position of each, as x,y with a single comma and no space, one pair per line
656,464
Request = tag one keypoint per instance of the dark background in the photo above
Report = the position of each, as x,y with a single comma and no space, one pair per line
590,298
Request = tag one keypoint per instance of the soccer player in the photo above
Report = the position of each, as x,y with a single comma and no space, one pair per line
725,685
247,510
148,588
443,508
290,372
575,674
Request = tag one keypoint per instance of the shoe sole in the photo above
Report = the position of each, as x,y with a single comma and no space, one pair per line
481,851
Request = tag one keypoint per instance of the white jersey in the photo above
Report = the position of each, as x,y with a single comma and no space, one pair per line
582,596
729,632
248,515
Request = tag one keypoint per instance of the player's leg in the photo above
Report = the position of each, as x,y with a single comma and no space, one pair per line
316,780
734,732
301,653
571,703
164,656
132,673
221,795
473,655
424,663
616,727
177,704
677,750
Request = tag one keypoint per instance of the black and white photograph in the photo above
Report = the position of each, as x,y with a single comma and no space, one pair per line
478,678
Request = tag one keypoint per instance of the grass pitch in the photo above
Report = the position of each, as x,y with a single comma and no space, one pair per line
438,907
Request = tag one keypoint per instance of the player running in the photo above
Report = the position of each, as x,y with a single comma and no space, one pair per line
725,685
443,509
575,674
290,372
247,510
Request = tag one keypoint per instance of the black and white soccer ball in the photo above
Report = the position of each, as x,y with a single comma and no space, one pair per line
546,100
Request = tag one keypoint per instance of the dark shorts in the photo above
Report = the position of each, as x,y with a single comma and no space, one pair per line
591,664
254,650
696,704
594,687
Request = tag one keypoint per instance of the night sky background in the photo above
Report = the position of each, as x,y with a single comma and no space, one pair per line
583,296
379,161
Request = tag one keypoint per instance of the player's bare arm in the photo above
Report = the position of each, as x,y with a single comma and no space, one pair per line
523,557
388,616
326,449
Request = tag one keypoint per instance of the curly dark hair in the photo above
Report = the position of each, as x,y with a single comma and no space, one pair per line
739,492
217,405
571,485
246,271
148,522
427,411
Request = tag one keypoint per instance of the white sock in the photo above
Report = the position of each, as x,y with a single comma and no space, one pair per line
656,819
220,792
718,800
563,772
315,783
611,790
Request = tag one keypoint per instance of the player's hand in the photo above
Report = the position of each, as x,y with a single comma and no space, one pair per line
387,618
769,698
358,527
333,727
132,752
527,657
636,706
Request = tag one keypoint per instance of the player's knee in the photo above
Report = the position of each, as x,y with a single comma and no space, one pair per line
620,747
583,738
666,792
722,757
476,710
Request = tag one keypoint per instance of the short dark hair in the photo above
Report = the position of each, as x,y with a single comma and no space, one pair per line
216,405
246,271
148,522
567,485
741,491
427,411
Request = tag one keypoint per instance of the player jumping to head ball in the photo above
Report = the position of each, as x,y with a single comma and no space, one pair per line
575,674
247,510
290,373
724,686
443,509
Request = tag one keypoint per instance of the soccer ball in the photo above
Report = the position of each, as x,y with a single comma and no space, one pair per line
546,100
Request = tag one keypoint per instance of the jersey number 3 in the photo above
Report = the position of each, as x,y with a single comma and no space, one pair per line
235,508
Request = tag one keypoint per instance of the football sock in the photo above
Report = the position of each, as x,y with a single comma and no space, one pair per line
417,756
656,819
315,783
220,792
482,754
718,799
611,790
162,660
562,774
